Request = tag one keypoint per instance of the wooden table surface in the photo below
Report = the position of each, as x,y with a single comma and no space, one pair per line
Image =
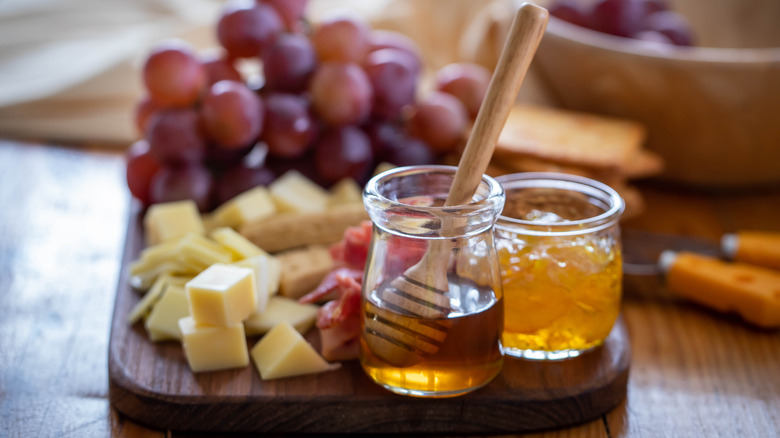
694,372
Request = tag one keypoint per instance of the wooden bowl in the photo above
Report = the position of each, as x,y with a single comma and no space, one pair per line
712,111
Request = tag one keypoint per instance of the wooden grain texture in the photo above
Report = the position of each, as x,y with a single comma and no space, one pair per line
152,383
711,113
693,372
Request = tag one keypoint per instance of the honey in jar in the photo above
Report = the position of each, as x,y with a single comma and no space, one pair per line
558,243
432,305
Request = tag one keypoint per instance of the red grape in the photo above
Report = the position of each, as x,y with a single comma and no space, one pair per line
670,24
388,39
571,11
340,38
141,168
341,93
291,12
219,67
304,165
238,179
290,129
219,157
440,121
289,63
232,114
173,74
393,80
466,81
343,152
409,152
617,17
653,6
174,136
246,28
191,181
384,136
144,108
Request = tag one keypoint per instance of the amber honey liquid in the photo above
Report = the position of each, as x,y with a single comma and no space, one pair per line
467,356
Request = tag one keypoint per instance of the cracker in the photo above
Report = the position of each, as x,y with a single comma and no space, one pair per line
570,137
303,269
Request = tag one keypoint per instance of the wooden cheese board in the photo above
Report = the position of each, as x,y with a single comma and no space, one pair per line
152,384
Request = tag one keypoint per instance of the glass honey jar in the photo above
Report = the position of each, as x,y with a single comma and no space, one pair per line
432,301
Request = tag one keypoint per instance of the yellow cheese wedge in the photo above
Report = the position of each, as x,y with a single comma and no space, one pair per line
283,352
752,292
222,295
163,321
171,220
254,204
210,348
346,191
279,309
200,252
237,244
294,192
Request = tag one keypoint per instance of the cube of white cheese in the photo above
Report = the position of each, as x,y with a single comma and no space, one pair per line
267,272
346,191
163,321
254,204
279,309
283,352
210,348
294,192
222,295
172,220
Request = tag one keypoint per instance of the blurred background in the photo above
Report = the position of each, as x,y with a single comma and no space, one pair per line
70,69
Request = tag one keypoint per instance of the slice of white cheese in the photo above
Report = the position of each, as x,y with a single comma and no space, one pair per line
237,244
283,352
279,309
171,220
163,321
267,272
254,204
294,192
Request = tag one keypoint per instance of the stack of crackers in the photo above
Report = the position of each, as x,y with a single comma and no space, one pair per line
610,150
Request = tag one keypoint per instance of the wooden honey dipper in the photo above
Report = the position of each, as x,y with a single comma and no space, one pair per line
414,324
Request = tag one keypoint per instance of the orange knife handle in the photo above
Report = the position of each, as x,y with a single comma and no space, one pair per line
753,292
760,248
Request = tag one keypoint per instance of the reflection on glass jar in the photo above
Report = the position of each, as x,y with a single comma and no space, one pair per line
558,242
432,300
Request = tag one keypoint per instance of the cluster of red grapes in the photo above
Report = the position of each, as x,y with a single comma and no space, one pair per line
334,101
647,20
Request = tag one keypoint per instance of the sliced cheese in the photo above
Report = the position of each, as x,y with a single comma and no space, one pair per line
172,220
163,321
294,192
237,244
222,295
346,191
280,309
210,348
283,352
254,204
200,252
